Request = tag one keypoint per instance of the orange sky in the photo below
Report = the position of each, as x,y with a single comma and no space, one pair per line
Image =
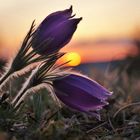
101,19
102,52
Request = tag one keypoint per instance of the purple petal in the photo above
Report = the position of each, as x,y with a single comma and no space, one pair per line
60,34
79,97
81,93
81,101
54,32
55,18
87,85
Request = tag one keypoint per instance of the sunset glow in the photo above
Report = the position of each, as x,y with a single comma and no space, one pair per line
73,57
101,19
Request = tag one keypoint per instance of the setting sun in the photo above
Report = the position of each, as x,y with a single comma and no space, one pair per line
73,57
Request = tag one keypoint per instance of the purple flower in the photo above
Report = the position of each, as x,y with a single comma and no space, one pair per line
81,93
55,31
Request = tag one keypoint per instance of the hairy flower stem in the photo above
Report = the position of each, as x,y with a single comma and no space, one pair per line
5,77
18,97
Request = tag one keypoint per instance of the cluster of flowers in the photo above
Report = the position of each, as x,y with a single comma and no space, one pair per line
41,46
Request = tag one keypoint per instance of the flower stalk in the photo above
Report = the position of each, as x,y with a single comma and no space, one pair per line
5,77
41,75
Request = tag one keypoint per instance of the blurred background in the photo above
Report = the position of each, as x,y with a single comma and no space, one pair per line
107,34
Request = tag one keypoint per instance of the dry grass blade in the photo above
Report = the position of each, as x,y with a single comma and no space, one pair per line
94,128
125,107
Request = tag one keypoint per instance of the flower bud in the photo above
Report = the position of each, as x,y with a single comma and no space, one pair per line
54,32
81,93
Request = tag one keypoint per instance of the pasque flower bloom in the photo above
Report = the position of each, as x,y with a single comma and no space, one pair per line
81,93
55,31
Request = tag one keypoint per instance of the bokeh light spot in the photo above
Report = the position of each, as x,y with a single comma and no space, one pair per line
74,58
